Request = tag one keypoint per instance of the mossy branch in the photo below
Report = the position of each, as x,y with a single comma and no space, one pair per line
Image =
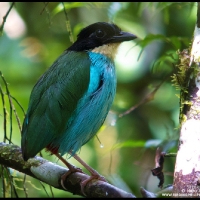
50,173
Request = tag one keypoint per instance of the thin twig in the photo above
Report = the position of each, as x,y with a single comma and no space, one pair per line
10,104
3,181
12,185
4,114
44,188
14,188
5,17
45,5
51,189
47,11
15,112
68,25
146,99
24,187
18,104
12,107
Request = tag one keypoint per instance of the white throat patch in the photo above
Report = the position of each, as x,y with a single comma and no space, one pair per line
109,50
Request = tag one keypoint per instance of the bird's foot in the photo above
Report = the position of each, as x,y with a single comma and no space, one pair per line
72,169
94,175
93,172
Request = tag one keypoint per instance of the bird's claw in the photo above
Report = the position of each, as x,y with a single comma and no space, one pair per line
102,178
70,171
84,183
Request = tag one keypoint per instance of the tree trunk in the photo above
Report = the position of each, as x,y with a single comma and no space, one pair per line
187,168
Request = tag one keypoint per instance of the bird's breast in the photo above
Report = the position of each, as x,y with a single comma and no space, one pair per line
102,85
102,74
93,107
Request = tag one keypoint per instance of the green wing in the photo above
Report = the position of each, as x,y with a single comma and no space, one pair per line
53,100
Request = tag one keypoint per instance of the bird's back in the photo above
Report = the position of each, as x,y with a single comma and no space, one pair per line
53,100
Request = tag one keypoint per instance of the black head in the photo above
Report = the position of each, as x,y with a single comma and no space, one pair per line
98,34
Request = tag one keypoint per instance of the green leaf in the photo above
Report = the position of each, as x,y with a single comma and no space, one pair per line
173,40
129,143
71,5
68,6
165,62
150,38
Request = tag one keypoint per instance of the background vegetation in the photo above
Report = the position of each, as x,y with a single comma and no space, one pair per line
35,34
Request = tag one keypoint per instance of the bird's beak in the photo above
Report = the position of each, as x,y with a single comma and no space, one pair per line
121,37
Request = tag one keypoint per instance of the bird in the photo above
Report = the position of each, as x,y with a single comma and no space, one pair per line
70,101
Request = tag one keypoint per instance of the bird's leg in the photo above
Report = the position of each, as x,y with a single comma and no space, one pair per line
94,173
71,168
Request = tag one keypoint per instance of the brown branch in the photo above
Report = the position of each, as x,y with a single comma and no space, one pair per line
149,97
50,173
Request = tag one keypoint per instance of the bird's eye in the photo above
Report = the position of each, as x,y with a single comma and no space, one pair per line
100,33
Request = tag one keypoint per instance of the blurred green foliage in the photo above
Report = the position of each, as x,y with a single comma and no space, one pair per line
130,143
